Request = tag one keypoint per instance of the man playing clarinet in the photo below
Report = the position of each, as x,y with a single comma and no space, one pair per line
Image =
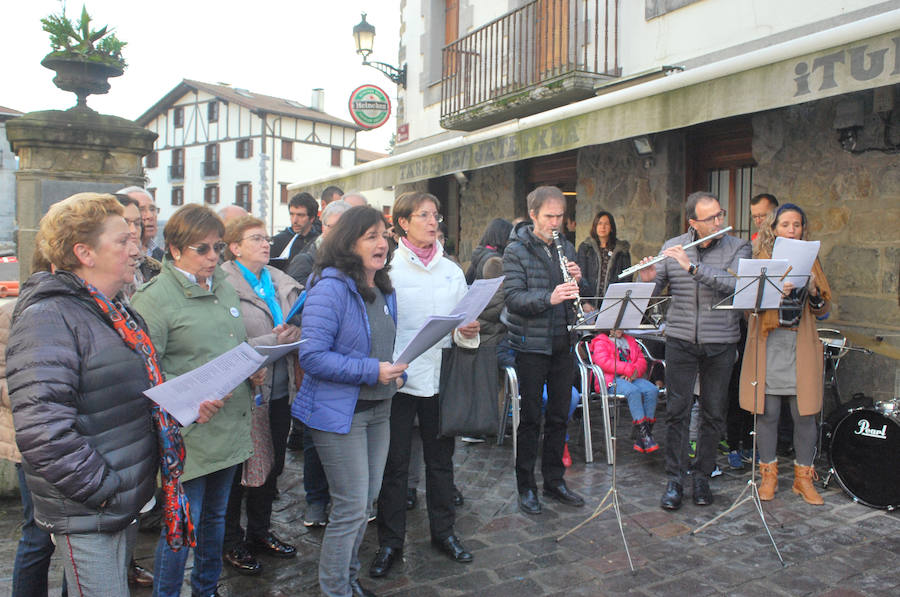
699,339
539,310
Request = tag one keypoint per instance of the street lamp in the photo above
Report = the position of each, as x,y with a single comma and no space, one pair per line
364,36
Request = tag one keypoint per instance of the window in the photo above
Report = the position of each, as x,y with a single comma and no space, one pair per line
211,165
244,148
177,195
176,170
152,191
287,150
212,111
178,117
152,160
284,192
243,195
211,194
336,157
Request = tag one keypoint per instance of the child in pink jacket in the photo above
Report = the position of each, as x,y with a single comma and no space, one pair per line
624,365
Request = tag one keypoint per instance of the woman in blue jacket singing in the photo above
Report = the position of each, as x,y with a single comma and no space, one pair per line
349,327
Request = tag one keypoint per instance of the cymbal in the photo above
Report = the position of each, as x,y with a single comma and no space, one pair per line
876,346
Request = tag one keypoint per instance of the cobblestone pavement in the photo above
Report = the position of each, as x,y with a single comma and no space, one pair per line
839,549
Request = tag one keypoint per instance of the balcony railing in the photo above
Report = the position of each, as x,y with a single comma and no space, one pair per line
176,172
211,168
559,45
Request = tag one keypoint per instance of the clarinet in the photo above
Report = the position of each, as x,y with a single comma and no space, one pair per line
567,277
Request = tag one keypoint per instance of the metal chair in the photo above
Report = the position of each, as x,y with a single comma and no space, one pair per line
587,368
511,401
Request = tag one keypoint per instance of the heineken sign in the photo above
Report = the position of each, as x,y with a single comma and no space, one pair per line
369,106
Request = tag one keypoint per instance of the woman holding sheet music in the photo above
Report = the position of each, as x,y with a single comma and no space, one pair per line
193,316
266,295
787,362
349,327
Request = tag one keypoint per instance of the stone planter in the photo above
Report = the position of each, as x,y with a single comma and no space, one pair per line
81,77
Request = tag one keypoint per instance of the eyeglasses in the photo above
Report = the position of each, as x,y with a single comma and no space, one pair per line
136,222
719,216
258,239
759,218
424,215
203,248
149,209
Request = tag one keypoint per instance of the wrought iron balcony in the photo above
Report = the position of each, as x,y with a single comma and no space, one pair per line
210,168
547,53
176,172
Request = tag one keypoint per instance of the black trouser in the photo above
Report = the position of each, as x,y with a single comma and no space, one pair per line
683,361
259,499
438,452
557,371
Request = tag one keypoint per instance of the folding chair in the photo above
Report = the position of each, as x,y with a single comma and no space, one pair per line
511,401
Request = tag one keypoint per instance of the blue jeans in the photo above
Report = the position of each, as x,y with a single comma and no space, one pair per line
641,395
315,483
208,498
354,463
34,551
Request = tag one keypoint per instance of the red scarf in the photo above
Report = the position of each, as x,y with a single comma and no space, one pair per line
176,510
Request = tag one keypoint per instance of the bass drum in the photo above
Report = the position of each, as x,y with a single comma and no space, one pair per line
865,457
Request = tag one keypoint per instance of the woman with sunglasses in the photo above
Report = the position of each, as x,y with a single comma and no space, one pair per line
266,295
193,315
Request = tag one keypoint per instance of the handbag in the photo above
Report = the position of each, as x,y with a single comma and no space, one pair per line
468,391
256,469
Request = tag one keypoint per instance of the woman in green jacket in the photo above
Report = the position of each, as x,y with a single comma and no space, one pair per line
194,316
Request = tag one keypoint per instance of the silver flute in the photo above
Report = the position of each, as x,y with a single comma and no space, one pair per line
660,257
567,277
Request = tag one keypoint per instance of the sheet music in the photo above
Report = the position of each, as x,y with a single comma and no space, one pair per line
476,299
612,303
429,334
182,396
801,254
747,287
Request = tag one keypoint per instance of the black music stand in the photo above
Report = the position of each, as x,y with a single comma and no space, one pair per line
751,489
612,496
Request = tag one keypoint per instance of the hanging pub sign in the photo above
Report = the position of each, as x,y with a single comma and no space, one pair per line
370,106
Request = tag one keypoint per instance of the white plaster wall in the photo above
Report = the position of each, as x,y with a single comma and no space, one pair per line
705,29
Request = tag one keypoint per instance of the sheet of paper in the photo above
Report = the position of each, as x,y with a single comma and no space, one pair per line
273,353
429,334
182,396
801,254
747,287
476,299
640,293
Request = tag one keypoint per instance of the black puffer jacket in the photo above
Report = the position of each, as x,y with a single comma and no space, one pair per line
532,272
588,258
82,424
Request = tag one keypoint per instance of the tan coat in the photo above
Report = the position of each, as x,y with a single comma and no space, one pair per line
8,449
257,318
810,364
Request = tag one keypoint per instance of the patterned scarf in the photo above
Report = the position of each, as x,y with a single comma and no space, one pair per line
176,510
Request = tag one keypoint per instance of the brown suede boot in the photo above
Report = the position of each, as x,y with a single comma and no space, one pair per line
803,484
768,471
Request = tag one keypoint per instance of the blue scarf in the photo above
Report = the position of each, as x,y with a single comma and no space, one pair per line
264,289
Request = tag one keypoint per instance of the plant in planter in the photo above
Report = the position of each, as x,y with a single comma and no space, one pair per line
83,58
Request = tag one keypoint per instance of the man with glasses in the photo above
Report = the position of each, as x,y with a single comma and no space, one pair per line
699,340
149,213
760,207
288,243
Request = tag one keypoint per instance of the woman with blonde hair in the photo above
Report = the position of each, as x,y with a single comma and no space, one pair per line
784,357
79,360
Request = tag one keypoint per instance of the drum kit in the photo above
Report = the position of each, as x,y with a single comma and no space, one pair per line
862,438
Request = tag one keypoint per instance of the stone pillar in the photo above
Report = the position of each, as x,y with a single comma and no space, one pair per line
66,152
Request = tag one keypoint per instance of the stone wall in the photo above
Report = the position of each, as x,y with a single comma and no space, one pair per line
853,205
644,198
494,192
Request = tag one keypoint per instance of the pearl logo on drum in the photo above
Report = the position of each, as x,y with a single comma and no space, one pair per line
867,431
